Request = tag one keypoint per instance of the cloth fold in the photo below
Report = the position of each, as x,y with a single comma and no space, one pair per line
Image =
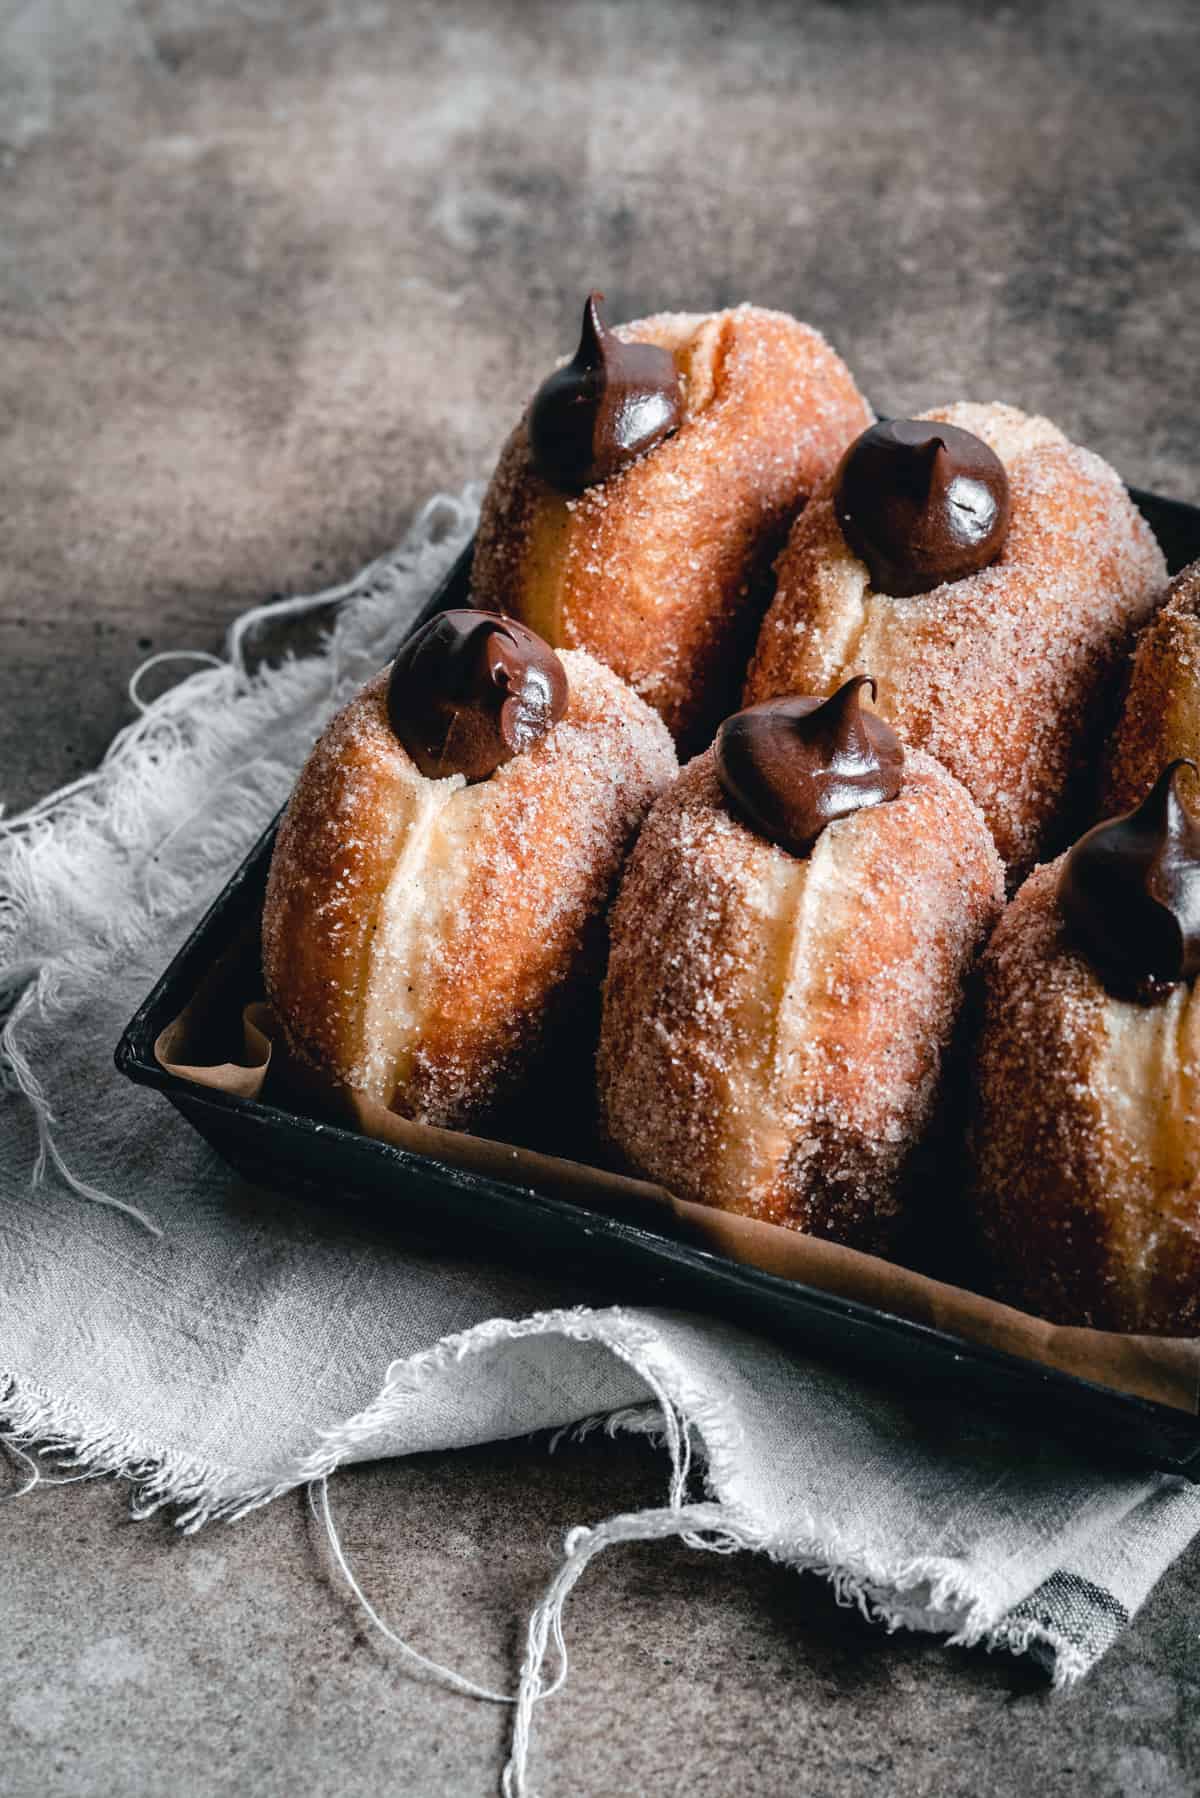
246,1342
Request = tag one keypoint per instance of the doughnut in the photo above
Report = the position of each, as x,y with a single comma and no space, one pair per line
991,575
445,860
1086,1138
1160,718
636,508
789,949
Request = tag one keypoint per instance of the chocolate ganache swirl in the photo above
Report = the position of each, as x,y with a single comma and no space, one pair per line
603,409
791,766
1130,894
471,690
921,503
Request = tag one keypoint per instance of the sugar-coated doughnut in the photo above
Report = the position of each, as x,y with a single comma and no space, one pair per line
774,1020
1086,1139
655,566
1160,719
419,927
1003,672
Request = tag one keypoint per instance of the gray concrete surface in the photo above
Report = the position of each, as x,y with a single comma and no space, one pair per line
271,272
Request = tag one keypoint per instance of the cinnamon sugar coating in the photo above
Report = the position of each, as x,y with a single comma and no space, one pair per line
1006,675
1160,719
773,1026
1086,1139
418,934
655,570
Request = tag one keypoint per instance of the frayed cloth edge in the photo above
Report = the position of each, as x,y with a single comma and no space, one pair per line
202,1493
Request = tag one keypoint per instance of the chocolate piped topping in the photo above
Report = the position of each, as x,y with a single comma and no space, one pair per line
1130,894
791,766
471,690
921,503
605,408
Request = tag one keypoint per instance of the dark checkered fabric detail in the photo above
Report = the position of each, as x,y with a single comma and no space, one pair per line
1075,1611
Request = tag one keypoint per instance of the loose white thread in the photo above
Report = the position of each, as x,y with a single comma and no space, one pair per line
297,605
21,1076
723,1535
708,1526
23,1459
318,1498
441,514
34,1476
166,655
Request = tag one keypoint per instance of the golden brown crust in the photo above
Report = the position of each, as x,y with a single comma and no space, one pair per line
416,932
773,1027
333,858
1086,1140
1160,719
653,570
1005,675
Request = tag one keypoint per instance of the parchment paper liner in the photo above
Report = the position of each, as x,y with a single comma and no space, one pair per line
1160,1368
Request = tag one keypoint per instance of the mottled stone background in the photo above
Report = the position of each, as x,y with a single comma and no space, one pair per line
269,274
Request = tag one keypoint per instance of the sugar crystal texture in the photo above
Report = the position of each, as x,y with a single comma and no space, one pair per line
1086,1139
656,570
420,935
774,1025
1006,675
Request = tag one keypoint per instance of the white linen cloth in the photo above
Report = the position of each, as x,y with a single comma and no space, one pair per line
247,1342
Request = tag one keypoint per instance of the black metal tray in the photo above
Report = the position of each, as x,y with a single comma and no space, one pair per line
620,1258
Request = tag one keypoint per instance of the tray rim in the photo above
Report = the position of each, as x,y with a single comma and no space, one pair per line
145,1072
134,1059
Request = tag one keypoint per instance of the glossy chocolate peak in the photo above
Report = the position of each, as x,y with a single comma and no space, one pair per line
791,766
600,412
471,690
921,503
1130,893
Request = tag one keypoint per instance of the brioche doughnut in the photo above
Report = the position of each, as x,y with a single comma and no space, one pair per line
1086,1139
774,1021
420,929
655,568
1004,672
1160,719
